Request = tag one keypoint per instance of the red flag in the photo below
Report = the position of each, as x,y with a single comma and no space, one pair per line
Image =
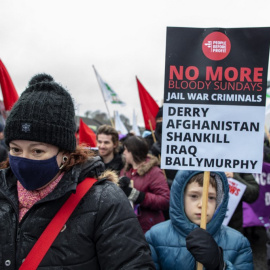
10,95
149,107
87,135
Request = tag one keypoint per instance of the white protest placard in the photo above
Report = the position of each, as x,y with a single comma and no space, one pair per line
214,99
213,137
236,192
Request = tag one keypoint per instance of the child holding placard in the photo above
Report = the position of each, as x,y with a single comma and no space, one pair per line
179,242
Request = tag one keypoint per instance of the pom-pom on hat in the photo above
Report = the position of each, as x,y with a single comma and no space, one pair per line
43,113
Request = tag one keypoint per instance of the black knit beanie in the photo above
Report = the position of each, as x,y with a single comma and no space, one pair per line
160,113
43,113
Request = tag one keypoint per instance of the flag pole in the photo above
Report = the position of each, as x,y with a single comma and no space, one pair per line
206,178
152,131
113,121
103,97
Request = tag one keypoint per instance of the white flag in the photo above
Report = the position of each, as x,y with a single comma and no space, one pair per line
134,125
119,125
108,92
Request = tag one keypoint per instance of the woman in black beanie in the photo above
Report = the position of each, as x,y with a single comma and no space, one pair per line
45,169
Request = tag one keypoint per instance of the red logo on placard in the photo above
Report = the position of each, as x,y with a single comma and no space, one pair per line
216,46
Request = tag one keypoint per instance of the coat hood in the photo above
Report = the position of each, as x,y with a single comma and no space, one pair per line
177,212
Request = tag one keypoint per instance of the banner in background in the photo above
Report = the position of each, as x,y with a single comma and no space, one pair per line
237,190
214,99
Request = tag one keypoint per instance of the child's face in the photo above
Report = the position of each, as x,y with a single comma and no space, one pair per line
193,202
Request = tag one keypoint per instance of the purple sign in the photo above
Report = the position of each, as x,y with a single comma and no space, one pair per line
258,213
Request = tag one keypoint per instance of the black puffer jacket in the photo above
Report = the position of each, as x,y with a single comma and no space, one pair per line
250,195
116,164
102,232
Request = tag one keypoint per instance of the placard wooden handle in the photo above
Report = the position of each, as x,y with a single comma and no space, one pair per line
206,178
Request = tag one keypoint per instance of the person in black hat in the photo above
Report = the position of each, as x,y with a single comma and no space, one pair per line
2,139
155,146
44,168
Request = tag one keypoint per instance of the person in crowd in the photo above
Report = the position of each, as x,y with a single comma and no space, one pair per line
155,145
44,168
146,133
2,139
107,144
179,242
250,195
150,189
121,143
3,153
3,146
154,140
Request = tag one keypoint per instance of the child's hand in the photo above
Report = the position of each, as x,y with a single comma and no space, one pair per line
205,250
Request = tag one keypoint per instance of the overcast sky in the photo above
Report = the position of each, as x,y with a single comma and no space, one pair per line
121,38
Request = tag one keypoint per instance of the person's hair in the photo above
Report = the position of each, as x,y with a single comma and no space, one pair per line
109,130
79,156
198,178
138,147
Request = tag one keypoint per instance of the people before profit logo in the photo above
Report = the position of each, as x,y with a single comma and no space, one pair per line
216,46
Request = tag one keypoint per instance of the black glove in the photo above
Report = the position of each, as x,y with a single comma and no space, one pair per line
133,194
205,250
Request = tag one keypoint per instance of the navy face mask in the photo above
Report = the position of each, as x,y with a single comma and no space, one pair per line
33,174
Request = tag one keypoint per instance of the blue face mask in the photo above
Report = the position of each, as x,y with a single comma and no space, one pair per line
33,174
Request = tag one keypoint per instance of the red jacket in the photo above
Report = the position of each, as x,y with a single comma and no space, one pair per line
149,178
